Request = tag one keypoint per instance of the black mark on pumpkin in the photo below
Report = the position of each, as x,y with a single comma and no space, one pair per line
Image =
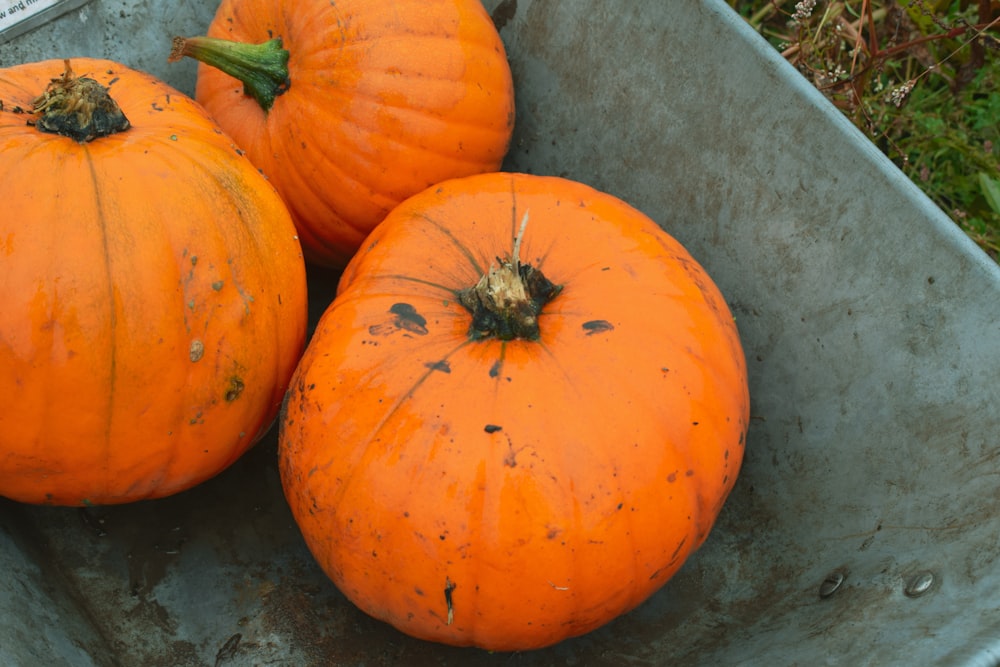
492,428
405,318
449,586
680,546
495,368
408,319
235,388
442,366
597,326
510,458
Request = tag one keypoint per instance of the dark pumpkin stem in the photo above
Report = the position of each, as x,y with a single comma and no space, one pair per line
77,107
508,299
263,68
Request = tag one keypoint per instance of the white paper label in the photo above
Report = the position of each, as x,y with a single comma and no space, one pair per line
18,16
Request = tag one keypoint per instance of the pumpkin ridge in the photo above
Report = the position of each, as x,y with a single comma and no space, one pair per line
431,370
108,274
450,291
254,263
350,167
288,171
140,489
417,140
285,173
457,244
378,99
373,436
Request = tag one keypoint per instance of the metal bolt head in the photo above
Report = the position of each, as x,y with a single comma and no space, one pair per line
919,584
832,583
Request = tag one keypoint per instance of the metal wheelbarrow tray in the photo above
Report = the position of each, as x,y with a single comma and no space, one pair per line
865,527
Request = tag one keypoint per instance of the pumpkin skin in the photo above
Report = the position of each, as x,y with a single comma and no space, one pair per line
509,494
385,98
154,297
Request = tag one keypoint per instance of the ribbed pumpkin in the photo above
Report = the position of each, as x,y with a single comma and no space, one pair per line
349,107
520,415
152,284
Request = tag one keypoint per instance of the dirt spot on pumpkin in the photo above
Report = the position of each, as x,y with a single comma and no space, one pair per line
404,317
235,389
449,586
510,458
442,366
597,326
408,319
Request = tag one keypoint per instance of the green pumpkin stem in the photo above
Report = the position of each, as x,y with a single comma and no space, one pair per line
77,107
508,298
263,68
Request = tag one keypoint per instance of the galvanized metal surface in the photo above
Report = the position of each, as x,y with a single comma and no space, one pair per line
865,526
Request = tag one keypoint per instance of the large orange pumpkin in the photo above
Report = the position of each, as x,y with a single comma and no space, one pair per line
152,284
520,415
349,107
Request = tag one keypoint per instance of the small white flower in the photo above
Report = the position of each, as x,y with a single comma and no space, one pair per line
803,10
898,94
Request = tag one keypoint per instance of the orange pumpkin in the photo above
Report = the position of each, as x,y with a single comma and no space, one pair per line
153,289
350,107
520,415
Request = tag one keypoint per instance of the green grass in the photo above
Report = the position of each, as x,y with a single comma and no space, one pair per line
919,77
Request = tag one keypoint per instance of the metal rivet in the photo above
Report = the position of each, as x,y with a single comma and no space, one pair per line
831,584
919,584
